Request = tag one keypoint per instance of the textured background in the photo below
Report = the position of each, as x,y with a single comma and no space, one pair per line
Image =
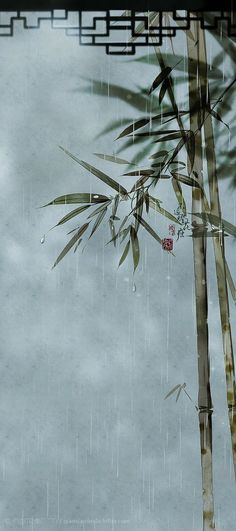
86,436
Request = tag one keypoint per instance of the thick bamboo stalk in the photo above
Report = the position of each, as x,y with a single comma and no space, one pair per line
199,256
220,262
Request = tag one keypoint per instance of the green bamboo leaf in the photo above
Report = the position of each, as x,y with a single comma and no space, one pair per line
112,158
179,195
140,182
164,88
146,198
112,231
160,78
124,254
172,136
72,214
191,149
98,221
154,203
115,205
70,244
178,394
99,209
69,199
158,133
148,228
159,154
102,176
185,179
139,207
218,222
124,233
135,246
172,391
139,172
77,245
133,127
217,116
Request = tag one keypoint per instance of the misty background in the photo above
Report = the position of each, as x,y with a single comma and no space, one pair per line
87,440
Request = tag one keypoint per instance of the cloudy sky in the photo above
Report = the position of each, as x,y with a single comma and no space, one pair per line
86,361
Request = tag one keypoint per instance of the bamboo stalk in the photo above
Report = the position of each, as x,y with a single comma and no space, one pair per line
199,256
220,262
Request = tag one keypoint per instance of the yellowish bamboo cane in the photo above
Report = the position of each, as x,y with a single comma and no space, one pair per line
199,256
220,262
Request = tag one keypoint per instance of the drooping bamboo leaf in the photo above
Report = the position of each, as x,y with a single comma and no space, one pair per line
154,203
69,199
148,228
135,246
217,116
170,137
140,182
139,207
137,173
185,179
115,205
124,254
72,214
157,133
179,194
164,88
133,127
102,176
99,209
160,78
112,231
172,391
178,393
112,158
98,221
70,244
218,222
159,154
77,245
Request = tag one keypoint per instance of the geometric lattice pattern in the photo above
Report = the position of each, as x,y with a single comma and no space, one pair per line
119,33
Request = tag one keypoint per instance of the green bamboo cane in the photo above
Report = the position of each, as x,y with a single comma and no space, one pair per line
199,256
220,262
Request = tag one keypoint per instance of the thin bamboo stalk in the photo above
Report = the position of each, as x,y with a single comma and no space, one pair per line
220,262
205,406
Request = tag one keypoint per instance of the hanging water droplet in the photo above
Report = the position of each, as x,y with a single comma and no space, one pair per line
134,287
42,239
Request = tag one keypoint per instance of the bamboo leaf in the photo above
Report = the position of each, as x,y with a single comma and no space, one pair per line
70,244
178,394
139,172
217,116
77,245
135,246
112,158
97,210
218,222
112,231
148,228
133,127
154,203
159,154
179,195
98,221
185,179
172,391
115,205
160,78
69,199
102,176
163,90
124,254
172,136
72,214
